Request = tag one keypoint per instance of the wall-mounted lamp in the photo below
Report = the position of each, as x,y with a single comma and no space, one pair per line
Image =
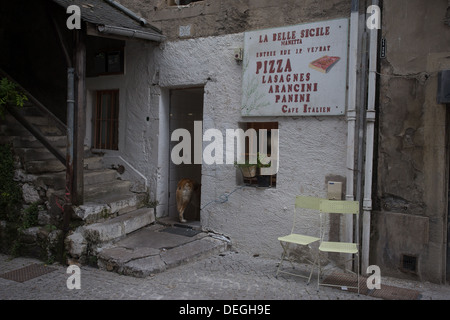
238,54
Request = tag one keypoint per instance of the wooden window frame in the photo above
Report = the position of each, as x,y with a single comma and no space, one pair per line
257,126
107,54
112,122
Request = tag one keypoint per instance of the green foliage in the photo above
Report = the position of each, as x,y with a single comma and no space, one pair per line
9,94
30,216
261,163
152,204
248,164
10,192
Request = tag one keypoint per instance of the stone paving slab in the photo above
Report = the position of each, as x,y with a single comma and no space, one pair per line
122,255
149,251
192,251
143,267
229,275
147,237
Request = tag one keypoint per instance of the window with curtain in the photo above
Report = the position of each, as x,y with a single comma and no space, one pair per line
106,120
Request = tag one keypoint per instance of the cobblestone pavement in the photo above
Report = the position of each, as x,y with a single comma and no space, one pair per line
228,276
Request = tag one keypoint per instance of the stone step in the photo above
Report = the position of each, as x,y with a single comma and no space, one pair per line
7,130
109,205
28,141
16,129
116,187
90,236
119,226
149,251
93,163
97,176
33,119
44,166
42,153
57,181
4,139
54,165
32,154
30,110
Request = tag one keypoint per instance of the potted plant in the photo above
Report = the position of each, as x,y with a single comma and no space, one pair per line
248,170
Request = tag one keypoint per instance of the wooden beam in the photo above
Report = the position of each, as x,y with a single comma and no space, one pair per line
79,115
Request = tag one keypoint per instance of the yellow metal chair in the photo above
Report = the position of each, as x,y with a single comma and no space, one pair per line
338,207
293,238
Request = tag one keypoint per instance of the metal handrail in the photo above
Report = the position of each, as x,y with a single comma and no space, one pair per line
61,125
37,134
33,129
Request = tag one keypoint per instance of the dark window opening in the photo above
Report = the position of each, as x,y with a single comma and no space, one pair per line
251,177
409,263
182,2
108,62
105,56
106,120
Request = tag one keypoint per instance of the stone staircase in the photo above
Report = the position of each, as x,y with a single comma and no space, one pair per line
110,210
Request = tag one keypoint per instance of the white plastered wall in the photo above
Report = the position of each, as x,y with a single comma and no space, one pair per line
138,121
311,148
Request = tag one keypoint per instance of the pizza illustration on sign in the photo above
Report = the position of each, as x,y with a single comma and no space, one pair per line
324,64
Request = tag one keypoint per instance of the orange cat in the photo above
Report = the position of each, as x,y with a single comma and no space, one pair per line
185,190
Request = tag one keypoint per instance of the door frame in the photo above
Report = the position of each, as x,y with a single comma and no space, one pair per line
171,189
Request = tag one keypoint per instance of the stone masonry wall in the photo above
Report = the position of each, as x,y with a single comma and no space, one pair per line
411,194
219,17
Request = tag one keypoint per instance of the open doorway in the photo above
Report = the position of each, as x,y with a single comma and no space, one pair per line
186,106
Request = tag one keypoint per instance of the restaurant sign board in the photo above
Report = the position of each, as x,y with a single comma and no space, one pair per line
298,70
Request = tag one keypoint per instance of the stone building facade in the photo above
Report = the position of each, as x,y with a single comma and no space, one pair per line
199,56
194,80
410,223
408,229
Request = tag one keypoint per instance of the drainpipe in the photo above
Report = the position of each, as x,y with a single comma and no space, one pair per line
370,130
70,130
67,208
130,33
351,117
127,11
